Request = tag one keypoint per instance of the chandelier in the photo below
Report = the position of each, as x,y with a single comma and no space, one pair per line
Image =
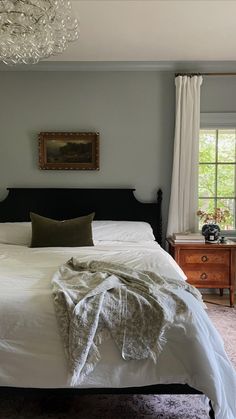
32,30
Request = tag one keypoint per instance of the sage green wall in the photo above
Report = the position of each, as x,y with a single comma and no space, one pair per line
133,111
218,94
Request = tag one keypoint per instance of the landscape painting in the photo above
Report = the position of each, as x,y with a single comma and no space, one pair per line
69,150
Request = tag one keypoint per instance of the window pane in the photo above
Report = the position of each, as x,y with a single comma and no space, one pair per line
207,179
228,204
226,145
206,205
207,146
217,173
226,180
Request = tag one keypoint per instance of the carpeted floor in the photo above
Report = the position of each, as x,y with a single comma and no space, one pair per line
14,405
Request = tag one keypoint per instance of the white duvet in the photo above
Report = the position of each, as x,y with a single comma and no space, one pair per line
31,349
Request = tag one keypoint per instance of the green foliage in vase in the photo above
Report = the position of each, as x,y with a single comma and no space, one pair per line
219,215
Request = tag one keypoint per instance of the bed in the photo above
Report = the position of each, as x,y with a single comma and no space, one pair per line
31,349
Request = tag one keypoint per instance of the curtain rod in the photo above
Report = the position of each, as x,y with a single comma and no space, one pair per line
204,74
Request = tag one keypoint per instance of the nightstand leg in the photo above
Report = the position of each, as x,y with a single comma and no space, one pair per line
231,297
221,291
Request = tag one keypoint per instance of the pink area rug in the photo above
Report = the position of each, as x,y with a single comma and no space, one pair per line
224,319
37,406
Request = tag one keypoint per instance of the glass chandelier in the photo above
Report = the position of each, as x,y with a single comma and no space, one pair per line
31,30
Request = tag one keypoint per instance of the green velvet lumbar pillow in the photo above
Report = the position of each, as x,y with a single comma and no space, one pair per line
67,233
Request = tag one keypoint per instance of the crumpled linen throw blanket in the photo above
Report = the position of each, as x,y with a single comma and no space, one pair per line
135,306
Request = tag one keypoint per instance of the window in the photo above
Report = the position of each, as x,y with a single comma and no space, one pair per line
217,173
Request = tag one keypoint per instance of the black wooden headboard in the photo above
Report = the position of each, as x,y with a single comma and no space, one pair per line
58,203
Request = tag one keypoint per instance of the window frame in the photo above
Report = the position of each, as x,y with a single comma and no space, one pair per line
219,120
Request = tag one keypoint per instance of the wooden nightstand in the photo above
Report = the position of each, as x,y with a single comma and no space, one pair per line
207,265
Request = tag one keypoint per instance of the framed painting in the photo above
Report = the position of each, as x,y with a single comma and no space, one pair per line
69,150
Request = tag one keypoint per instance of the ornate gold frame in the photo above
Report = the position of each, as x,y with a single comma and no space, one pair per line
69,150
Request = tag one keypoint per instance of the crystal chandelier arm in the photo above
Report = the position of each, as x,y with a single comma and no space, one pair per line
30,3
43,10
21,14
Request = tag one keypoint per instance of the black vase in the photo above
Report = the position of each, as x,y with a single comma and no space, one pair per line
211,232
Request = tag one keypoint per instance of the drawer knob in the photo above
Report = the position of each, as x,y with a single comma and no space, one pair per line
203,275
204,258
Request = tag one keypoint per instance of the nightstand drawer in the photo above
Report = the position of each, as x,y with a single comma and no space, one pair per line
205,257
201,277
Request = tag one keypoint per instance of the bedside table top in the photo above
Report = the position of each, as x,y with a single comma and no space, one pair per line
229,243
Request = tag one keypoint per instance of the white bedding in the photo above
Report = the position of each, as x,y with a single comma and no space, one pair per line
31,350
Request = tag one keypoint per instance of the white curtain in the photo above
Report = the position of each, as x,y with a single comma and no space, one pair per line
183,199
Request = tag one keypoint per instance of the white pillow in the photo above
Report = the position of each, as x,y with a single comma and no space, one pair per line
19,233
15,233
127,231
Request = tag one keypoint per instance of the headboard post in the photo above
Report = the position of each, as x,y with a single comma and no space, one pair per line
159,215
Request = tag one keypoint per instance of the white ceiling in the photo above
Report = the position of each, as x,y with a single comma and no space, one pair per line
154,30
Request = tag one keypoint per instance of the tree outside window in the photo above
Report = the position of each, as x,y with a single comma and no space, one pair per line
217,180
